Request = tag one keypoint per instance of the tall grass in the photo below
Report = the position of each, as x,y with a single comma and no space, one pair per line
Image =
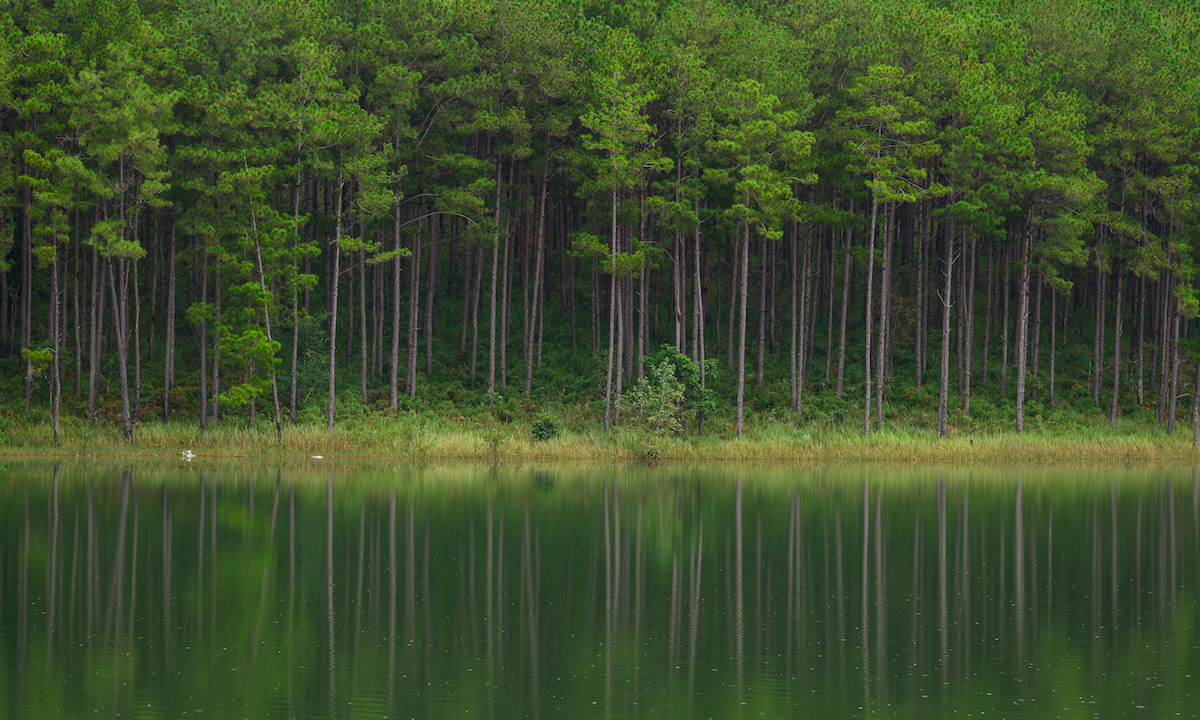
432,438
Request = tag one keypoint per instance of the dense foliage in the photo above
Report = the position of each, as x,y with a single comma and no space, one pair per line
319,208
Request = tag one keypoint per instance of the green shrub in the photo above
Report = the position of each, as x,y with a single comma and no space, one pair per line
670,395
544,428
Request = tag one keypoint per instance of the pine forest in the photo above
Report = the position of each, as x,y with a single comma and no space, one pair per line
691,217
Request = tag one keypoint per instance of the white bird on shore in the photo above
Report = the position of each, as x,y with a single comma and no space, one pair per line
187,455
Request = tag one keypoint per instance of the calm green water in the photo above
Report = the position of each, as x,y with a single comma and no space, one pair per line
316,591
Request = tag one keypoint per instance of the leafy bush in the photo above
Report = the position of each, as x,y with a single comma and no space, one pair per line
544,428
670,395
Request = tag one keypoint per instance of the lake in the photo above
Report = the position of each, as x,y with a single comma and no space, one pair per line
317,590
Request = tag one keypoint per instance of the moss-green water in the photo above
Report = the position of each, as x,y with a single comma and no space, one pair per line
370,589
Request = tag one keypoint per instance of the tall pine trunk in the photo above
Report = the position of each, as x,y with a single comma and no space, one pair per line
612,308
805,311
204,343
119,288
491,392
1098,336
394,375
944,369
699,311
841,363
969,302
1023,322
885,291
431,283
97,320
1173,399
869,312
795,278
333,290
363,353
536,309
295,298
741,355
1053,340
55,322
762,315
216,359
1116,383
1006,269
169,351
414,314
266,309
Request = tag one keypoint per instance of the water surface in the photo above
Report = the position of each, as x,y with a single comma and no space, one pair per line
310,591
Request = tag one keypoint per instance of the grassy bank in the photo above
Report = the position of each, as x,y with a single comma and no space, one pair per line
431,438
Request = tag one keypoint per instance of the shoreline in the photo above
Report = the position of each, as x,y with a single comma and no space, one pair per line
429,442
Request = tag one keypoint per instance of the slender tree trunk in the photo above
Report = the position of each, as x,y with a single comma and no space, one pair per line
969,303
363,352
394,375
1053,339
736,273
5,338
350,301
414,312
466,300
216,360
1196,410
169,352
699,310
1023,324
505,292
643,278
841,365
76,310
869,312
741,359
1164,347
431,283
1116,383
612,309
1007,270
832,250
119,300
26,299
987,321
624,321
922,280
793,354
336,271
885,290
478,290
266,308
292,388
204,343
492,297
1174,369
55,322
762,315
94,345
805,311
137,347
1036,340
1098,337
539,254
1141,338
944,370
